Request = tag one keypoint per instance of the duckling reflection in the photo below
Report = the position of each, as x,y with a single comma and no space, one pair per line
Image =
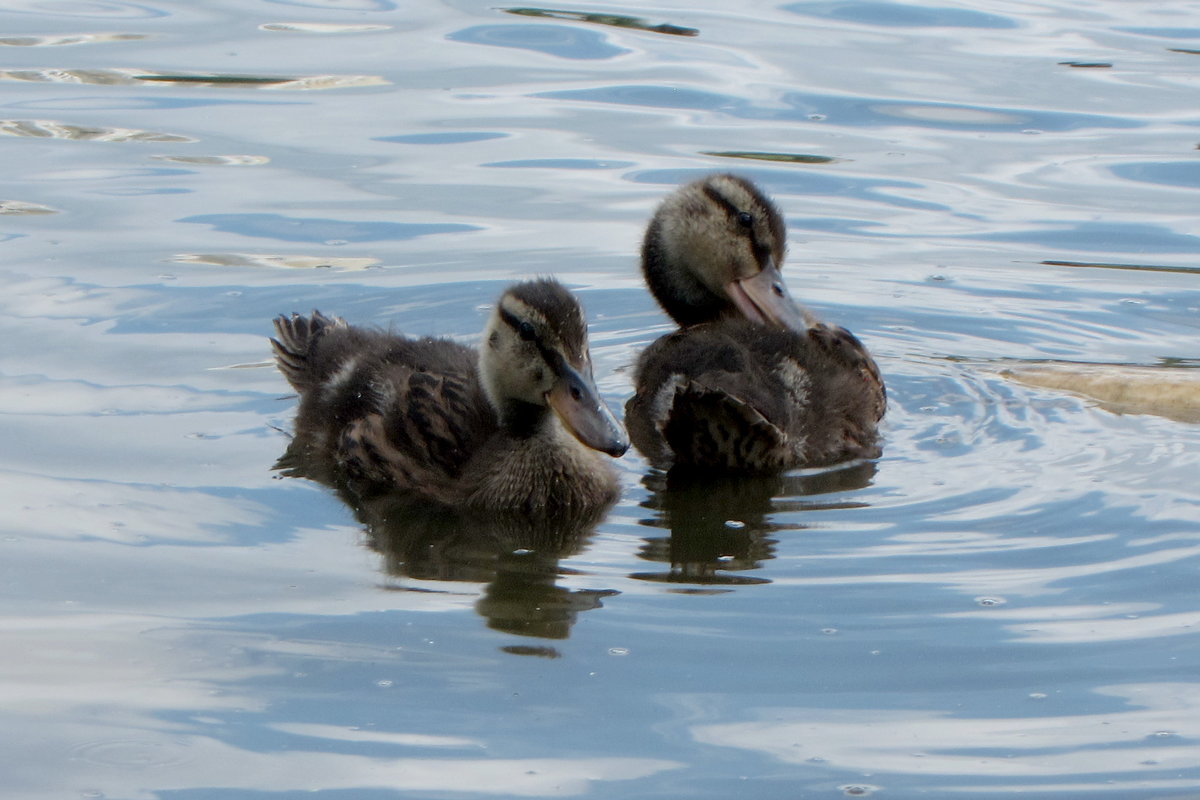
724,526
515,554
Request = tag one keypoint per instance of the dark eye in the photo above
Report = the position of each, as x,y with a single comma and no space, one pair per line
777,288
745,219
526,331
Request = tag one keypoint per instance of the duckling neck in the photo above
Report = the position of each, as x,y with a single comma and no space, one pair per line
521,420
535,465
685,299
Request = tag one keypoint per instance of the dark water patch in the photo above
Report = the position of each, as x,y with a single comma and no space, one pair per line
1086,64
1166,173
303,82
1116,237
1103,265
555,40
1163,33
787,158
449,137
316,229
1184,50
612,20
656,97
902,15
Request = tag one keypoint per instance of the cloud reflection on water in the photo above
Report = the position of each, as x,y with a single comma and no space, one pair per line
1153,740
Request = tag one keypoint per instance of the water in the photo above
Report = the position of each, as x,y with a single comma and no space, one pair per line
1004,602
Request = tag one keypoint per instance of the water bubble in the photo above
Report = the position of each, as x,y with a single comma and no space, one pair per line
988,602
618,651
829,631
858,789
736,524
816,117
1164,734
384,684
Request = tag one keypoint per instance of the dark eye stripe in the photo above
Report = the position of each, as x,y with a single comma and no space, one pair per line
722,201
551,356
762,250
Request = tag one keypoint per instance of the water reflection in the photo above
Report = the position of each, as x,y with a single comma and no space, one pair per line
132,77
61,40
724,524
51,129
515,556
612,20
1143,737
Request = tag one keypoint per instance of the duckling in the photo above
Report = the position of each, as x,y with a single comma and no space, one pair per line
518,426
751,382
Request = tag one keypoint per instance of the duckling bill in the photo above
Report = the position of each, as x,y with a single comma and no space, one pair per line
517,426
751,381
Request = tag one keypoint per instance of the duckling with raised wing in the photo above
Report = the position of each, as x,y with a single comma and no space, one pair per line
518,426
751,382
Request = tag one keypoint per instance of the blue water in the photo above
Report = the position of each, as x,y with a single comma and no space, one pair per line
1004,602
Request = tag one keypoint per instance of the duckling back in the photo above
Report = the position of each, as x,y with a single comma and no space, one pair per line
737,396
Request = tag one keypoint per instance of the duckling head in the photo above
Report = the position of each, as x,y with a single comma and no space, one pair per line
534,360
713,249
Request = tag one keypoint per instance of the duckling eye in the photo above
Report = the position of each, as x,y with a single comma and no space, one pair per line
777,288
745,219
526,331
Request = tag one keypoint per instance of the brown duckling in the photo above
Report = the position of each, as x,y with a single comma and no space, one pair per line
518,426
751,382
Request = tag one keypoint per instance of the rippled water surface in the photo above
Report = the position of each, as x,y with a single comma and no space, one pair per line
1005,601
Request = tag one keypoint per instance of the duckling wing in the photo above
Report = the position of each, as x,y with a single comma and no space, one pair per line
737,396
859,371
383,410
712,427
701,400
416,430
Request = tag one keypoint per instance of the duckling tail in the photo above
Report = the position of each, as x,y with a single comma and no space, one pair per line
297,338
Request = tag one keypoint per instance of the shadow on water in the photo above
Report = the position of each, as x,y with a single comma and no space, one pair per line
516,556
721,525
